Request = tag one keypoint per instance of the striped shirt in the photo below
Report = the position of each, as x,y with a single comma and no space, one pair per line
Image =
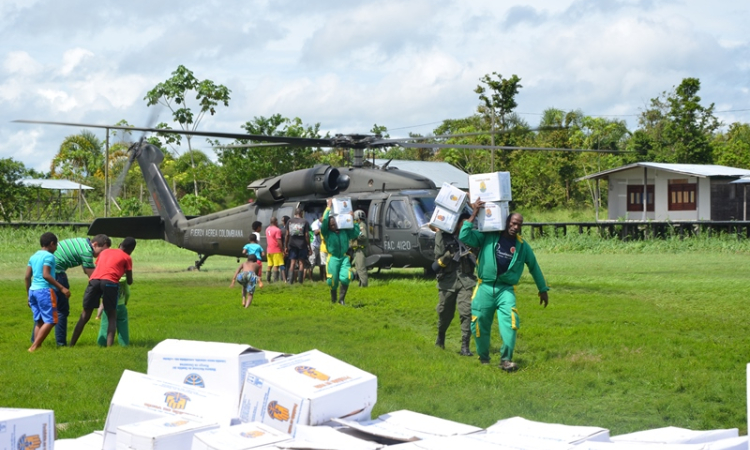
73,253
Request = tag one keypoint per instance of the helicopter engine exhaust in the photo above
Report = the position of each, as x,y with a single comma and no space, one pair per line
320,180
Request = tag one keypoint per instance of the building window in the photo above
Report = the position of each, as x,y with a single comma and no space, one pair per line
682,197
635,197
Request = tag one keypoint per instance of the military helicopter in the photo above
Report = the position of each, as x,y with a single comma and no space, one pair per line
398,204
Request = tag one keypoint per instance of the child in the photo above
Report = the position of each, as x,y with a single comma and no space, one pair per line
123,334
40,289
104,285
247,276
253,248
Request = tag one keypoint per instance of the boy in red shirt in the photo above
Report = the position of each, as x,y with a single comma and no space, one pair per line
104,284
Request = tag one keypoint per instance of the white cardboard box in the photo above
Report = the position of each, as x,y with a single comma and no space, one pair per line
490,187
217,366
569,434
27,429
161,434
326,438
451,198
481,441
308,389
444,219
493,216
139,397
92,441
341,205
344,221
407,426
239,437
675,435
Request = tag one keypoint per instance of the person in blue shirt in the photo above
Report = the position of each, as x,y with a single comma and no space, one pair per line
254,248
40,288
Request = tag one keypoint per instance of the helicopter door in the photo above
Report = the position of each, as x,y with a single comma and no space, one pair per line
399,238
375,221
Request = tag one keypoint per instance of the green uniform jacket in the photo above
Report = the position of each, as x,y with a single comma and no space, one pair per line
456,275
337,243
487,264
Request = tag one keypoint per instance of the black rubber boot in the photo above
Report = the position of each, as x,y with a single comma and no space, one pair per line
268,275
465,345
440,341
276,276
333,295
290,277
342,294
301,276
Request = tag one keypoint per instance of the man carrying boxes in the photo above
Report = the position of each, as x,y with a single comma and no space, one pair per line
338,267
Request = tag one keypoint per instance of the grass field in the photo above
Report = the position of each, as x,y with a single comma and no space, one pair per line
636,336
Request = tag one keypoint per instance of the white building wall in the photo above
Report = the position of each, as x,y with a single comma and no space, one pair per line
618,202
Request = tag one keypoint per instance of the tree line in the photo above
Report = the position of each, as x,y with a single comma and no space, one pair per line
675,127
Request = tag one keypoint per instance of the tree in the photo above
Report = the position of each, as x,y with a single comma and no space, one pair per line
11,192
80,157
733,147
676,128
173,94
498,102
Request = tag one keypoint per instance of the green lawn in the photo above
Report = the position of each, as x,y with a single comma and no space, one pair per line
636,336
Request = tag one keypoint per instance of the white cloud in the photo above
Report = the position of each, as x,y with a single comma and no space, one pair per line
72,58
20,63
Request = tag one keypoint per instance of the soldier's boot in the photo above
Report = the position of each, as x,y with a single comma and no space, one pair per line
276,276
301,276
465,345
290,277
440,341
333,295
342,295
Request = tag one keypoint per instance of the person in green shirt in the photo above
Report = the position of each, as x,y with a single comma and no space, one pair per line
500,264
338,267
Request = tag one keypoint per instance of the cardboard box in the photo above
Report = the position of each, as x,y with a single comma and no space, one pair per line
92,441
344,221
493,216
308,389
217,366
590,445
569,434
323,437
675,435
451,198
27,429
407,426
490,187
483,441
239,437
139,397
444,219
341,205
161,434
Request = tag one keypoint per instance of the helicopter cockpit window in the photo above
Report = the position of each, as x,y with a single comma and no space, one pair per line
423,209
397,215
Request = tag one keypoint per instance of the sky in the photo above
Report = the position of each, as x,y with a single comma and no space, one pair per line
406,65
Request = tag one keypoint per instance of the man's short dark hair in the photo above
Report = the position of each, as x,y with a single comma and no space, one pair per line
47,239
252,237
299,212
128,244
102,240
252,258
257,225
285,219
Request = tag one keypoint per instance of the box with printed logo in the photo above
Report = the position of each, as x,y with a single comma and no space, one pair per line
162,433
451,198
341,205
344,221
493,216
444,219
218,366
490,187
27,429
244,436
140,397
306,389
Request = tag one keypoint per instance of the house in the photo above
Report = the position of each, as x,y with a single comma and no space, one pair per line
674,192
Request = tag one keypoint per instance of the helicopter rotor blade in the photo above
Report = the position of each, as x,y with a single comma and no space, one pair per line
476,133
114,191
269,144
500,147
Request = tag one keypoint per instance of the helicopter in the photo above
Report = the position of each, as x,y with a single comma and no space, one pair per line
398,204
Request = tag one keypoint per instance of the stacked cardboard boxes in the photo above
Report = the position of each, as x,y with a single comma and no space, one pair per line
449,203
494,189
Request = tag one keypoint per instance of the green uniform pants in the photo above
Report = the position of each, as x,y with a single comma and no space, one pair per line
359,263
123,335
488,299
446,309
338,270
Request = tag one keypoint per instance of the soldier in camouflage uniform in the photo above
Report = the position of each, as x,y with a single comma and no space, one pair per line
359,247
454,265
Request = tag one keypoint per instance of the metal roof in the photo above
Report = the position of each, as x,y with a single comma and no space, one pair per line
62,185
693,170
744,180
437,171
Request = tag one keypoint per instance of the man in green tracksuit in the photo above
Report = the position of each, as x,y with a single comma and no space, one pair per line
502,256
338,267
